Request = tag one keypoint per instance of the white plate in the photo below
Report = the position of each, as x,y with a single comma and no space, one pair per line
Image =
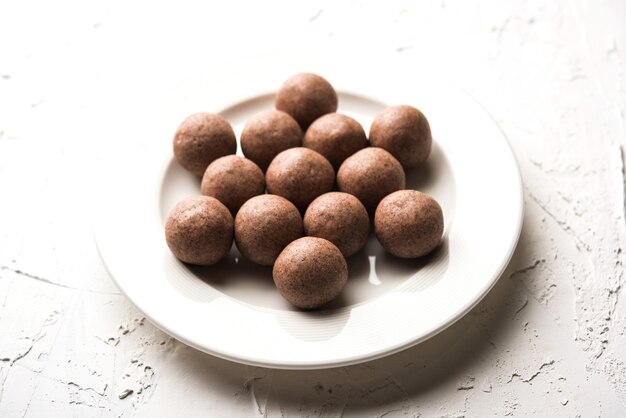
233,311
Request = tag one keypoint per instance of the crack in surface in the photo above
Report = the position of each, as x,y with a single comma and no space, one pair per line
534,375
526,269
562,224
102,396
467,384
88,388
397,384
384,414
50,282
51,320
521,308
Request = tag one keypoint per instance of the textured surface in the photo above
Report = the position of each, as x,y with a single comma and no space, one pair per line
299,175
201,139
340,218
199,230
232,180
409,223
264,225
549,338
371,174
336,137
404,132
268,133
306,97
310,272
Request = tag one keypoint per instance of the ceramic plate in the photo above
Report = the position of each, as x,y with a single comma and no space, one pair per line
232,310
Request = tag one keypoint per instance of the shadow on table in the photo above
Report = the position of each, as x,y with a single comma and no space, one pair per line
441,363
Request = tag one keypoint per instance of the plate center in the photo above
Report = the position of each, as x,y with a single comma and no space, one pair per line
372,272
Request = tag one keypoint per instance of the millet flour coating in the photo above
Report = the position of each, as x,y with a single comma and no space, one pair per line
306,97
264,225
267,134
408,223
299,175
370,174
201,139
199,230
341,219
336,137
404,132
232,180
310,272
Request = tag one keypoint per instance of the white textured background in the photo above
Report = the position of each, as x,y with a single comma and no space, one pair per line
78,78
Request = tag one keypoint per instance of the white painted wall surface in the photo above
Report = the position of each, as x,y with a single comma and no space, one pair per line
76,81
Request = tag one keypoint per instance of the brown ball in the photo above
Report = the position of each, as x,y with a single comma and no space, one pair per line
310,272
300,175
199,230
268,133
409,223
341,219
233,180
264,225
404,132
336,137
201,139
370,175
306,97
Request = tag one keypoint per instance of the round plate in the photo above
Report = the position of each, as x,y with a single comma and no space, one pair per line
232,310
